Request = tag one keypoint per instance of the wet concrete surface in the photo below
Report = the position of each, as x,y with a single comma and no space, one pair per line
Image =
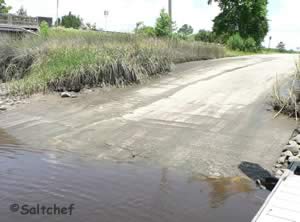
205,117
5,138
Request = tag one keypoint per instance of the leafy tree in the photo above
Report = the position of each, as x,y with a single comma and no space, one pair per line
186,30
246,17
281,47
205,36
70,21
164,25
3,7
22,11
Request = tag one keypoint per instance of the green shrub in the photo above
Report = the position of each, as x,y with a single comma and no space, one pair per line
146,31
164,25
250,45
236,42
179,36
70,21
205,36
44,29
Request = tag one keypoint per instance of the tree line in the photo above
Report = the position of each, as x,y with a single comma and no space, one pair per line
241,25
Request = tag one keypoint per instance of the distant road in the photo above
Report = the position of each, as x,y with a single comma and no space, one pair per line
205,117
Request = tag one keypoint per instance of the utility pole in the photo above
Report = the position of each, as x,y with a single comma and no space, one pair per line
170,9
170,14
270,39
106,14
57,6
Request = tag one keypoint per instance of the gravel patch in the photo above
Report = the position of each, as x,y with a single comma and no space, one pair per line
289,154
7,101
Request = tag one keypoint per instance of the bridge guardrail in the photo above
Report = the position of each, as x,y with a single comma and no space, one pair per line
21,21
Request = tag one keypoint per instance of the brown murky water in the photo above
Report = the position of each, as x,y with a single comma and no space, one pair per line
106,191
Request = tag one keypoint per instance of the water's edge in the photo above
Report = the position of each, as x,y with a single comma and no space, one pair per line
107,191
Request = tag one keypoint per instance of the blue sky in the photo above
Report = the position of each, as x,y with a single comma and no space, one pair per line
283,14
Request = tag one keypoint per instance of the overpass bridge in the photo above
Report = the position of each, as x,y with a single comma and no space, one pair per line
10,23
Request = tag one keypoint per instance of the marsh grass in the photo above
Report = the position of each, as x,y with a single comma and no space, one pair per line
14,61
71,59
287,103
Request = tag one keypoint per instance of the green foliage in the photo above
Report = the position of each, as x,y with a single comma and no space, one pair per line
281,47
186,30
250,45
235,42
70,21
141,29
205,36
3,7
179,36
246,17
44,29
148,31
164,25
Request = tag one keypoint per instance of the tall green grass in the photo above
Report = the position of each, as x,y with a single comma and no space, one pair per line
72,59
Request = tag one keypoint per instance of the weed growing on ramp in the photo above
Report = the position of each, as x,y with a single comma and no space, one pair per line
286,95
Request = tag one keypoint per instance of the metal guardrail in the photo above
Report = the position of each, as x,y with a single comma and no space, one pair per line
19,21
